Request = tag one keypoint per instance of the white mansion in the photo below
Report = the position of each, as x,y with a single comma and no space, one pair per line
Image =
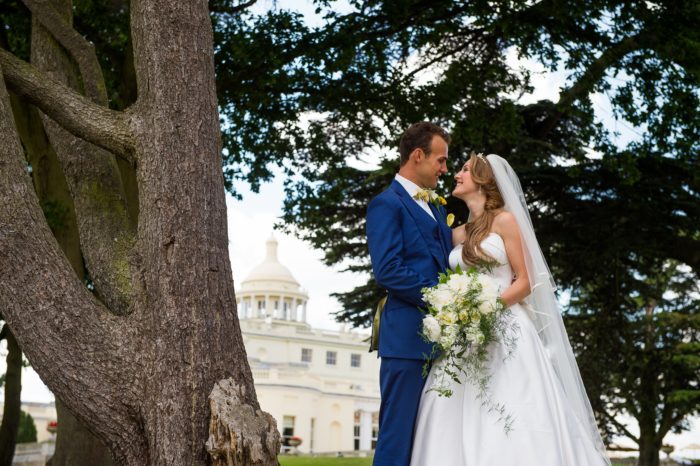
319,385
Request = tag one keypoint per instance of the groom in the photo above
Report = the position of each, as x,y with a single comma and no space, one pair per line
409,242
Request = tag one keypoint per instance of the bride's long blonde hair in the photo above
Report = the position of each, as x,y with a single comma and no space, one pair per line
479,228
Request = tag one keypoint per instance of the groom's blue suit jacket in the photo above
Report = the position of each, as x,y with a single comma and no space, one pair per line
408,250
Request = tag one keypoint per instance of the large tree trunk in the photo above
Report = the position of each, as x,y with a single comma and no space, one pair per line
139,380
13,403
189,304
649,449
648,397
75,444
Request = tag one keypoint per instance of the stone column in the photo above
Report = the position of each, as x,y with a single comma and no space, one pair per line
303,312
267,305
295,304
365,430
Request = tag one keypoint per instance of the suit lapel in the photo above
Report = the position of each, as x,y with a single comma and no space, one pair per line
445,231
428,227
447,238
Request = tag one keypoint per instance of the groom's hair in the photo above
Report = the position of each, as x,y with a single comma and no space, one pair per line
420,135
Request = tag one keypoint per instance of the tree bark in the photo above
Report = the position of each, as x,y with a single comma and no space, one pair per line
80,350
49,183
13,402
75,444
140,381
101,126
239,435
92,174
182,231
648,396
648,450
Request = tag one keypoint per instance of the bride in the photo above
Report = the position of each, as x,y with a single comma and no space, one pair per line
539,383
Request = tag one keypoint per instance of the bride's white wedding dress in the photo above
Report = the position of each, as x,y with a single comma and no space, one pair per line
459,431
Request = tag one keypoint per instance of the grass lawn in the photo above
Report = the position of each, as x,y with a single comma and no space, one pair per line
325,461
322,461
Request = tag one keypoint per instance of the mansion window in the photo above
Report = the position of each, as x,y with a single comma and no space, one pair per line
356,434
356,431
306,355
287,430
355,360
331,357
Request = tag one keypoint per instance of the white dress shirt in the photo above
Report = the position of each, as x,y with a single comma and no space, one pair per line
412,188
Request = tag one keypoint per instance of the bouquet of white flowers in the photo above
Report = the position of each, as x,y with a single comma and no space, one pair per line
465,315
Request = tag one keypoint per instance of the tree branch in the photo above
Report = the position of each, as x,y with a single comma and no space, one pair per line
92,174
48,307
82,51
442,56
588,80
83,118
233,10
669,420
623,428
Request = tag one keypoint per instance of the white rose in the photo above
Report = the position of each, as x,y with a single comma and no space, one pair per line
447,317
459,283
489,291
449,336
486,307
441,297
431,328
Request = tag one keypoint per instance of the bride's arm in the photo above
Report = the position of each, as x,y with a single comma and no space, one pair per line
505,225
458,234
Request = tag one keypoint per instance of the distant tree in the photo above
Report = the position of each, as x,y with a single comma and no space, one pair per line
27,428
12,381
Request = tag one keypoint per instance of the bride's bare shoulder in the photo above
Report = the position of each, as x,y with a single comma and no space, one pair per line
504,221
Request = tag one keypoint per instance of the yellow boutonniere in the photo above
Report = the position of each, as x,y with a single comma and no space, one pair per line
450,219
424,195
428,195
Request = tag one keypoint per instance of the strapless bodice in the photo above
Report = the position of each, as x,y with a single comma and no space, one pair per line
494,246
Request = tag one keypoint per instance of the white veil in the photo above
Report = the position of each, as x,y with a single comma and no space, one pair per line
542,303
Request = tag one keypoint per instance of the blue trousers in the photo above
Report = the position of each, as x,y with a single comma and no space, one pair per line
401,383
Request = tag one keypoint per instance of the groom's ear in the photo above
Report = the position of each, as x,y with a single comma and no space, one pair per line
417,155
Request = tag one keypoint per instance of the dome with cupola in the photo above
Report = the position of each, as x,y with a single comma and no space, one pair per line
271,291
